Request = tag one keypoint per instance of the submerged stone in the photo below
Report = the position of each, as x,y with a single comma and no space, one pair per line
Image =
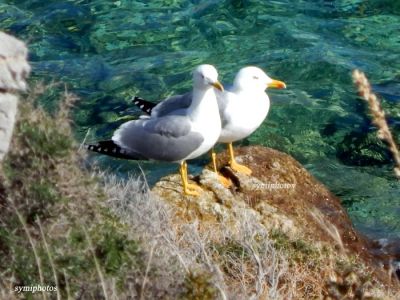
363,149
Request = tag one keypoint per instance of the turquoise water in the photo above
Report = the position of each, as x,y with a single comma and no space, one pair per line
108,51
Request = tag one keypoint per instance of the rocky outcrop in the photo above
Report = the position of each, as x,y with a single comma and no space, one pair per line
14,69
282,195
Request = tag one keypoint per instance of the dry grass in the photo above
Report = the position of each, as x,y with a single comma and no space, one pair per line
231,260
239,261
378,116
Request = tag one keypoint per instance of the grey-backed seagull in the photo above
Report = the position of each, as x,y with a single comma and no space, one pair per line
184,134
243,108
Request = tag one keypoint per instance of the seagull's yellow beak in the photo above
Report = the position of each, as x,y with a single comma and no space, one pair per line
277,84
218,86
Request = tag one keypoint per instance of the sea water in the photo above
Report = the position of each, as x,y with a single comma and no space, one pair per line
108,51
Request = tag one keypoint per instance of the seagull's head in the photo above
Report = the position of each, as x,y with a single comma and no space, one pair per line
253,78
205,76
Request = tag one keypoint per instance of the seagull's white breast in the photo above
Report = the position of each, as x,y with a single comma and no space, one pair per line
207,122
242,115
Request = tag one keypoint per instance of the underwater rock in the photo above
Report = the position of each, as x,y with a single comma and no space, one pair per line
363,149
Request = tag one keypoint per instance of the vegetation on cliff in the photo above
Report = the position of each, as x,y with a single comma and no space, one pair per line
56,230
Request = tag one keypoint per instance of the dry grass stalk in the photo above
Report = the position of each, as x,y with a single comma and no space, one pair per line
329,228
35,252
97,264
53,268
147,271
67,285
378,116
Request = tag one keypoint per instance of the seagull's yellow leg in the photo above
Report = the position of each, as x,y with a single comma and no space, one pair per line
214,160
226,182
191,186
234,165
188,188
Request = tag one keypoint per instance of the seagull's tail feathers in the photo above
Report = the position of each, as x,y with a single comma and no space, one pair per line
110,148
144,105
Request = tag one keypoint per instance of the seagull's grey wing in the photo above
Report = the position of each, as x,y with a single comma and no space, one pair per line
167,138
223,100
172,104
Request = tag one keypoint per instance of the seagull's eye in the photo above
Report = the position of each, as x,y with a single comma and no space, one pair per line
255,77
202,76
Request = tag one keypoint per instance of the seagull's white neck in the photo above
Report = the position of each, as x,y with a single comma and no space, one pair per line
256,100
204,103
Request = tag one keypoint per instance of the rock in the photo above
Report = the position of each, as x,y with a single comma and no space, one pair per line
14,68
281,194
13,71
8,110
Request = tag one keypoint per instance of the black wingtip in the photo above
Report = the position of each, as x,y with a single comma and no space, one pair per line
144,105
136,100
112,149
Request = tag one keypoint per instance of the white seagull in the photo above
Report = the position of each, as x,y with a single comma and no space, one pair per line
184,134
243,108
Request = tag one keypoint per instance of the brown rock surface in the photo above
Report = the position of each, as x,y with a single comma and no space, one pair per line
282,195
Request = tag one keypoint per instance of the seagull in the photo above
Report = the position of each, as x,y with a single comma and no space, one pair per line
181,135
242,108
